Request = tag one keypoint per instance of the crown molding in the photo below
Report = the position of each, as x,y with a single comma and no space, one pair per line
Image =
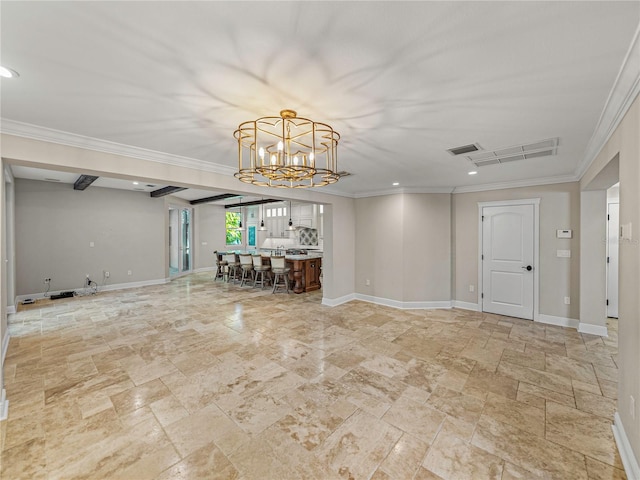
531,182
27,130
406,190
623,93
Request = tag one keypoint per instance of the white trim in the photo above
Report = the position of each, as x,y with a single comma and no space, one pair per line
465,305
387,302
101,288
593,329
559,321
507,203
26,130
334,302
11,309
4,405
629,461
623,93
405,190
533,182
5,346
536,246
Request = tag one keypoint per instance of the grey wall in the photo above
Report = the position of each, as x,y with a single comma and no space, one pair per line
624,145
55,225
593,251
404,247
559,277
209,234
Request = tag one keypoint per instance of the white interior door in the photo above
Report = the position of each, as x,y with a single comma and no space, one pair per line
508,260
613,225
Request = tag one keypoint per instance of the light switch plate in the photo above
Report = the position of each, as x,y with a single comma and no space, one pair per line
564,233
563,253
625,231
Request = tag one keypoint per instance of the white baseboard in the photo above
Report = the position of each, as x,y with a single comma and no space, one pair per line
629,461
334,302
101,288
11,309
465,305
559,321
387,302
593,330
4,405
5,346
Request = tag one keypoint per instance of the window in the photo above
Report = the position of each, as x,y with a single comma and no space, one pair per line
232,222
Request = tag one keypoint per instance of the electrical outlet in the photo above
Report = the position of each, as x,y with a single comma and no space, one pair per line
367,282
128,272
567,300
632,406
472,288
47,280
106,274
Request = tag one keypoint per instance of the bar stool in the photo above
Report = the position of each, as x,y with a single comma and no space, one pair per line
220,266
280,273
233,266
247,268
260,269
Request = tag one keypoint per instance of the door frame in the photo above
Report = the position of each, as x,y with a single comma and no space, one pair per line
536,247
179,208
610,240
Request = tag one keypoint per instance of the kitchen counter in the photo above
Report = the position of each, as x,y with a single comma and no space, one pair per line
305,269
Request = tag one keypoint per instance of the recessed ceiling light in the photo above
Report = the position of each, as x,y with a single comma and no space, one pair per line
135,183
473,172
395,184
8,73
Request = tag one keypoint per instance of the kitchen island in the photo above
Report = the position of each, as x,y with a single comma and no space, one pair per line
305,268
305,271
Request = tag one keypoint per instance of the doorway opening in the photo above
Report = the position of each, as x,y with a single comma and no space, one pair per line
180,234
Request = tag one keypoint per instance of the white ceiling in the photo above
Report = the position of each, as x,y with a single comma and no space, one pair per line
400,81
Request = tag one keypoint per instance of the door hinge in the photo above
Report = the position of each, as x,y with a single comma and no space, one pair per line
482,257
607,302
607,259
608,217
482,295
483,218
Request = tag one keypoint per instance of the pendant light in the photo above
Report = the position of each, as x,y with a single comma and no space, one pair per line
262,227
290,221
240,227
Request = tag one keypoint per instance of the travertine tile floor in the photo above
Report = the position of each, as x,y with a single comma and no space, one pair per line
201,379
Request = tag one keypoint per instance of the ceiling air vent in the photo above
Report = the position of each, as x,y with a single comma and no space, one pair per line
474,147
543,148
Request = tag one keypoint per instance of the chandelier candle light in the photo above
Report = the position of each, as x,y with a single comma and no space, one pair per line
287,152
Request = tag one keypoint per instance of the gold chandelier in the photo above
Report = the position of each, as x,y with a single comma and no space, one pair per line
287,152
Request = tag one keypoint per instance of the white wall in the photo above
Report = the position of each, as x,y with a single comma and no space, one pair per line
55,225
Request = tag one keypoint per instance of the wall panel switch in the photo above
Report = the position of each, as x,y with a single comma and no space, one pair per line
563,253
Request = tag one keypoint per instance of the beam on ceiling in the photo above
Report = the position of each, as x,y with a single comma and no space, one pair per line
215,198
255,202
84,181
161,192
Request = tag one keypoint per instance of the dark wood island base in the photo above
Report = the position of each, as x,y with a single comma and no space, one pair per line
305,273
